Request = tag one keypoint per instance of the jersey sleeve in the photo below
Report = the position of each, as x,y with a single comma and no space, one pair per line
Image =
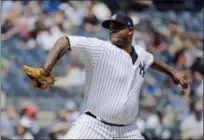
149,59
89,49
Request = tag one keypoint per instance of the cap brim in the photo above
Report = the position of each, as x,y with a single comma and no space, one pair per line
106,24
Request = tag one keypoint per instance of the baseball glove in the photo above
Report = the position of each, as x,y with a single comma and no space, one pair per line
38,79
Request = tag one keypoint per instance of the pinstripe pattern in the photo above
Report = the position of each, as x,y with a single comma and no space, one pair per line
87,127
113,83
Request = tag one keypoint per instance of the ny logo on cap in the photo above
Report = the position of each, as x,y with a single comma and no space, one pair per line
114,17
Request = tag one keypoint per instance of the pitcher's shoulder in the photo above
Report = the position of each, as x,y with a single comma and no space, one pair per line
139,49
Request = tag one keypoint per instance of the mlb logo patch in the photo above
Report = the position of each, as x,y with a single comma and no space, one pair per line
113,17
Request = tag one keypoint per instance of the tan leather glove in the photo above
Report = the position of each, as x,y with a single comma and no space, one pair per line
38,79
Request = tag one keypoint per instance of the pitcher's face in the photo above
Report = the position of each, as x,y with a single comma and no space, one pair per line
120,34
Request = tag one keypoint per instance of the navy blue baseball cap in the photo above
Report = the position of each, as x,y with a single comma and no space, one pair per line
121,18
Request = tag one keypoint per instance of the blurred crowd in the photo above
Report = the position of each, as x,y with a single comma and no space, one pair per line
29,30
24,124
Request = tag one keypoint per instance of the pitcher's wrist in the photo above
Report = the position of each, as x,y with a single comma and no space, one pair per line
45,72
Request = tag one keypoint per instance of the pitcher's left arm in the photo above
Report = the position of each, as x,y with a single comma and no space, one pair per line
177,76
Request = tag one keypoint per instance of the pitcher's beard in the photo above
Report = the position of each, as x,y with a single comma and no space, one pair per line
121,45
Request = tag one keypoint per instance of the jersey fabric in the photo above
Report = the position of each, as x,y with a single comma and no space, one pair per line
113,82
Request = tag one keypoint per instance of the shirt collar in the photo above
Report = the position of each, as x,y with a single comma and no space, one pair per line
133,55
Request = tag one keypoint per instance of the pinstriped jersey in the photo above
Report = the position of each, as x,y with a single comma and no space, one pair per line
113,82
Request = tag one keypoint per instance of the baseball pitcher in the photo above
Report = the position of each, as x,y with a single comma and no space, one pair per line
115,73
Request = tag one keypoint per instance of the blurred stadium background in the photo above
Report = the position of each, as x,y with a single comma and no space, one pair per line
172,30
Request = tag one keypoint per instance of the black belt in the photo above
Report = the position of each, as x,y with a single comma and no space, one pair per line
111,124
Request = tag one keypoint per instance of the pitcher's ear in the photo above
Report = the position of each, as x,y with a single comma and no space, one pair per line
131,30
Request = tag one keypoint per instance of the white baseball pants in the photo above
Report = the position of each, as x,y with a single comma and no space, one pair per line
87,127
